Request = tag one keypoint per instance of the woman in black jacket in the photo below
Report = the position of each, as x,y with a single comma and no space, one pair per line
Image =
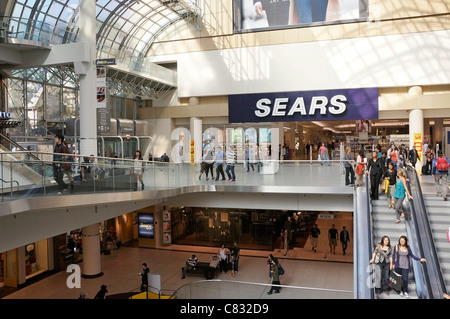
375,169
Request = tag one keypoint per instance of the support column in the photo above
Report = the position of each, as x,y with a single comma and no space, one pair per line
437,131
88,74
196,129
92,266
416,132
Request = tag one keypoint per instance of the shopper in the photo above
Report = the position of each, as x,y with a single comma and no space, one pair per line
144,277
399,194
348,164
439,172
101,294
220,156
429,155
332,238
190,264
213,264
275,288
375,170
413,156
382,258
249,158
391,179
209,164
231,163
344,238
360,167
315,232
401,262
138,169
58,158
223,258
235,254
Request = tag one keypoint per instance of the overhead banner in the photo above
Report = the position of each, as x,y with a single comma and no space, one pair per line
322,105
277,14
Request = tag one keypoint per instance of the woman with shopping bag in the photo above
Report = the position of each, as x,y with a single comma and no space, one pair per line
390,176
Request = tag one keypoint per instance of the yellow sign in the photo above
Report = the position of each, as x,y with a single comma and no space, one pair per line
418,142
192,150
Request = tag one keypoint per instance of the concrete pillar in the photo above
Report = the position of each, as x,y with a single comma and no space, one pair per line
196,129
92,266
88,74
416,132
437,131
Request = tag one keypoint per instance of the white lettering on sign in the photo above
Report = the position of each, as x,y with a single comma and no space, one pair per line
325,216
5,115
319,104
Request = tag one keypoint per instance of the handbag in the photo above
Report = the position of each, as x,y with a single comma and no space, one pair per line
359,169
387,186
395,280
383,185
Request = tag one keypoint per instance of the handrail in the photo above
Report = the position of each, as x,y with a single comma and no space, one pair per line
19,146
11,188
137,290
432,275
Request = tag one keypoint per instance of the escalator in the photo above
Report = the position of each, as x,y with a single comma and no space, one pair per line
374,219
438,214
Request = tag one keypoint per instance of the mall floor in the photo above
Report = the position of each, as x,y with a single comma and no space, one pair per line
304,268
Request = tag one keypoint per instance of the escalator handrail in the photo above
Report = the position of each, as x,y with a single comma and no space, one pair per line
20,147
370,226
425,239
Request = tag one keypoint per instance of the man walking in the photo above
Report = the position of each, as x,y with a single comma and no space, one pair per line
315,232
344,238
144,277
58,158
439,172
332,238
219,164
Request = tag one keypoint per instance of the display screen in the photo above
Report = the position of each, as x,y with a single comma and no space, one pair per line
279,14
146,225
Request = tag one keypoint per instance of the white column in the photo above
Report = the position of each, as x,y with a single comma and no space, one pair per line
196,129
87,72
92,266
416,123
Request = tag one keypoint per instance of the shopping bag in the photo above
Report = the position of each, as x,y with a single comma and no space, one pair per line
395,281
383,185
387,186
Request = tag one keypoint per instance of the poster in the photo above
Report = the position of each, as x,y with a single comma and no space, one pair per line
167,227
146,227
418,142
270,14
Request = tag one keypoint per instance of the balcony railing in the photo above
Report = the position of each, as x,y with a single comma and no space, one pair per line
23,176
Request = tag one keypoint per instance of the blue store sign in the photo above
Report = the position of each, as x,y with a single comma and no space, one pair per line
321,105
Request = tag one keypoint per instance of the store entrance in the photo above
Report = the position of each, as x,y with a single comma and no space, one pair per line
252,229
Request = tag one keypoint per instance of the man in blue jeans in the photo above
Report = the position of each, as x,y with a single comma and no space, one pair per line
220,156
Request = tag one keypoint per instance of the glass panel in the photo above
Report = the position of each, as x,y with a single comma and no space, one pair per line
35,109
53,106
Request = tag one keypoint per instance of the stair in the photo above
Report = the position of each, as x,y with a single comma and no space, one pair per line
383,223
439,215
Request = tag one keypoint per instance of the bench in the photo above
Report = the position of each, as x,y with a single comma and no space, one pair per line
200,269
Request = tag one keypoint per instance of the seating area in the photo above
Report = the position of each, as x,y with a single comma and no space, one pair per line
200,269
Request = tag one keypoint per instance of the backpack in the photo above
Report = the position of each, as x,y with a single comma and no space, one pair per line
280,269
442,164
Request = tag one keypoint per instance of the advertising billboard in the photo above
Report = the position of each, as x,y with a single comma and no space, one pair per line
146,227
278,14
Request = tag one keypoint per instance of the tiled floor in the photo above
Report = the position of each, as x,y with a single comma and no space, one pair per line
304,268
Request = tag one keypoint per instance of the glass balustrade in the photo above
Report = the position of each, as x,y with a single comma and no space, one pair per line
23,175
224,289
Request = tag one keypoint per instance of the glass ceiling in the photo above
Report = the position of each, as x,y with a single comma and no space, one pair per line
125,29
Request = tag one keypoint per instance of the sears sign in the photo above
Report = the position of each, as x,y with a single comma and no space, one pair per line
325,105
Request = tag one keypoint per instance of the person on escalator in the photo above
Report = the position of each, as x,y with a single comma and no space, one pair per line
400,192
401,262
381,258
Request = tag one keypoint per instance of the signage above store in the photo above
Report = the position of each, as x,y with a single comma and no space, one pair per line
103,62
5,115
321,105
